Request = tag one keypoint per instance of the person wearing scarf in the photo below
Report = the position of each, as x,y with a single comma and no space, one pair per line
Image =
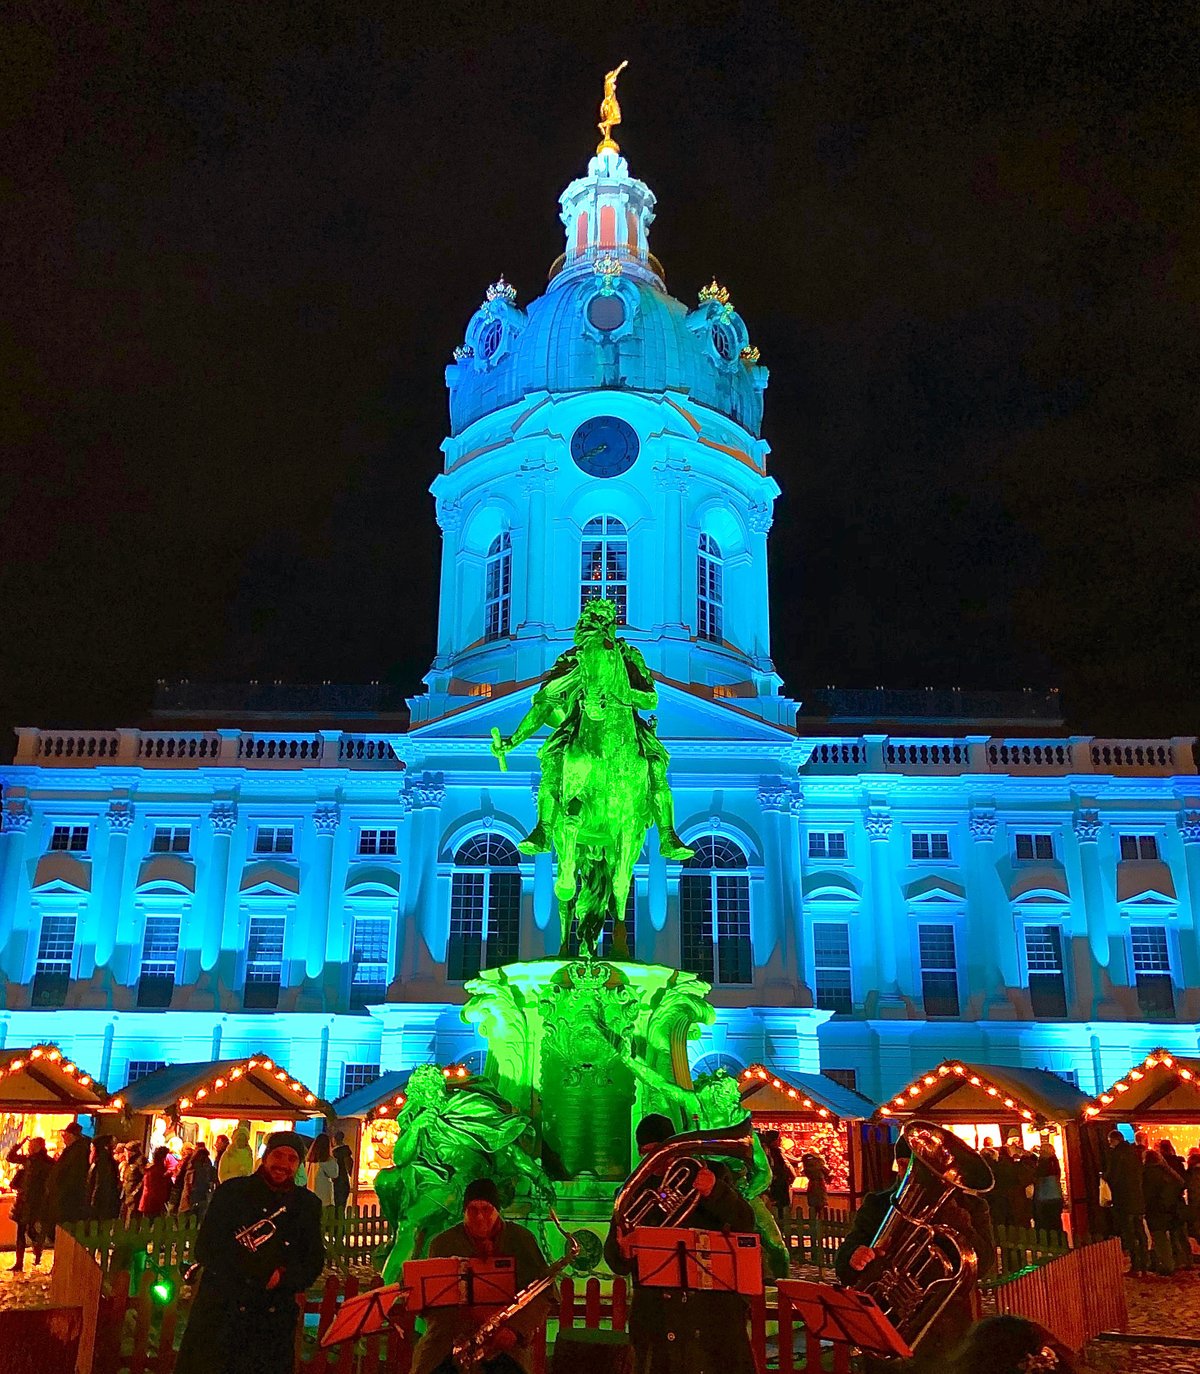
247,1307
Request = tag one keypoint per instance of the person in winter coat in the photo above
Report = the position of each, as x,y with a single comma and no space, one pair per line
1170,1158
1124,1174
199,1179
220,1145
1047,1191
238,1160
103,1181
156,1185
320,1169
1026,1165
343,1184
178,1174
132,1173
66,1188
1182,1231
1193,1193
1000,1198
29,1184
1162,1189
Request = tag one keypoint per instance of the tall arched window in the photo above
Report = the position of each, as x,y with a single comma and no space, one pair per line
497,609
604,563
485,906
714,912
710,590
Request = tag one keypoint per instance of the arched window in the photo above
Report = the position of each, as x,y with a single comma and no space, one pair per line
710,590
714,912
485,906
497,609
710,1063
604,563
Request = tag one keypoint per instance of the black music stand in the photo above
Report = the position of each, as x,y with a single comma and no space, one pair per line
697,1260
846,1316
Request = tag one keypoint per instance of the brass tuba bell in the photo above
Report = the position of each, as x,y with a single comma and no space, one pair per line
658,1196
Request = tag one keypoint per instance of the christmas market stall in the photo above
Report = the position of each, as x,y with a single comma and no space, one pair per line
186,1104
1159,1095
41,1092
368,1117
812,1115
989,1105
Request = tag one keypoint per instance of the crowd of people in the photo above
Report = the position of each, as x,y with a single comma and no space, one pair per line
1154,1196
1028,1187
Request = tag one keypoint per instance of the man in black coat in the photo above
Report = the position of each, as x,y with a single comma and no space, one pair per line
66,1188
259,1248
1124,1174
970,1216
674,1331
29,1205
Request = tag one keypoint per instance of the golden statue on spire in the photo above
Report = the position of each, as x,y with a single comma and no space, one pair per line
610,111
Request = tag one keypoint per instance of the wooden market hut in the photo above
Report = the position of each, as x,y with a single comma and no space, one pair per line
197,1102
41,1091
814,1113
983,1102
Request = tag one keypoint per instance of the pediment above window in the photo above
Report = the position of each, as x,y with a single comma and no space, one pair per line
167,871
935,890
1027,879
830,885
62,873
271,876
373,879
1151,879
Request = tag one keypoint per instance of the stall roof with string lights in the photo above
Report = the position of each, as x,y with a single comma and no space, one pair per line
958,1093
765,1093
256,1088
43,1080
385,1096
1161,1089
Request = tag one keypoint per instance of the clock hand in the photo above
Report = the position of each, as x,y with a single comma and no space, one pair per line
592,452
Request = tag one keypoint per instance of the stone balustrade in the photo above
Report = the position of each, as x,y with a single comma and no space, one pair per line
982,754
205,749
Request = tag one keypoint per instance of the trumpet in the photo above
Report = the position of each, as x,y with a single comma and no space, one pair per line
258,1233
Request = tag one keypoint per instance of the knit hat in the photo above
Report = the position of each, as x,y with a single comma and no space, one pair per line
482,1190
287,1140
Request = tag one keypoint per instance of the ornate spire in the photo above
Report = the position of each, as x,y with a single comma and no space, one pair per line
610,112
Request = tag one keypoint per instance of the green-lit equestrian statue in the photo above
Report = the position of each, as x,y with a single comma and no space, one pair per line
604,773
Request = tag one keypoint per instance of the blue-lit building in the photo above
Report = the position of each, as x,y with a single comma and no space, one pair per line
879,883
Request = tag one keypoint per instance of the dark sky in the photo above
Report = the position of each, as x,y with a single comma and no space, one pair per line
240,241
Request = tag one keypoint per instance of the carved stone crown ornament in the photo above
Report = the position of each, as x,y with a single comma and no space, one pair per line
425,795
772,797
1087,826
120,817
1189,827
982,825
223,818
878,824
17,817
325,819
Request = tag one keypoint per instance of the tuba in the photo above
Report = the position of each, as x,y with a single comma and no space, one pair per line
921,1260
654,1196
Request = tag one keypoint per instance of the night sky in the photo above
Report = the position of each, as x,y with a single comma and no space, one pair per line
240,242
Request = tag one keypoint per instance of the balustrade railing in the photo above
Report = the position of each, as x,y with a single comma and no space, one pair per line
205,749
905,754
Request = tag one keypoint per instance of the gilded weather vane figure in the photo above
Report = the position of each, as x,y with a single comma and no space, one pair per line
610,111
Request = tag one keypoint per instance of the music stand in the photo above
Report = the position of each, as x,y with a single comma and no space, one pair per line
844,1315
696,1260
452,1281
364,1315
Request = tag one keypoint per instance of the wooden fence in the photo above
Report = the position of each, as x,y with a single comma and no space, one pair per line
1075,1296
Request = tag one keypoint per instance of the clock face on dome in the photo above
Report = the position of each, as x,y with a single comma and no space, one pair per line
604,446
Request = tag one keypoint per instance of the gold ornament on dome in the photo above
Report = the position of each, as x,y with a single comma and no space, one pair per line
715,292
610,111
750,354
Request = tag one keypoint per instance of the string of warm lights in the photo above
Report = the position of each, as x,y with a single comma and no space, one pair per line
907,1100
52,1055
758,1071
397,1102
227,1077
1156,1059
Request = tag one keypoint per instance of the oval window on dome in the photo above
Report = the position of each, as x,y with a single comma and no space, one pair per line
723,342
489,340
606,313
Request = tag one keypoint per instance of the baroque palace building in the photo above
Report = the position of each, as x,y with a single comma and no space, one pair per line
880,881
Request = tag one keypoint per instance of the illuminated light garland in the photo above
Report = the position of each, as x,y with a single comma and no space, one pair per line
228,1078
1156,1059
54,1056
759,1073
904,1100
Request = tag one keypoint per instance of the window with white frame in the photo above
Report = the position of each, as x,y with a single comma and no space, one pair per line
264,960
930,845
274,839
1033,846
604,564
55,960
355,1076
160,960
710,590
143,1068
171,839
497,595
377,840
939,969
1151,953
1047,976
831,966
826,844
69,839
369,960
714,912
1138,847
485,906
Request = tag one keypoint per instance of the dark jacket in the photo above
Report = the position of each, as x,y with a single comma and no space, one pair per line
237,1324
343,1184
1193,1198
1162,1189
66,1187
198,1183
29,1184
1124,1177
103,1188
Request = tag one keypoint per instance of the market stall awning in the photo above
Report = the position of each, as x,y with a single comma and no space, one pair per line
764,1091
1163,1087
958,1092
255,1089
385,1095
43,1079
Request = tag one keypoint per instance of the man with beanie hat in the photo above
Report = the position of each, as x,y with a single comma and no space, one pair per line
672,1330
260,1249
484,1234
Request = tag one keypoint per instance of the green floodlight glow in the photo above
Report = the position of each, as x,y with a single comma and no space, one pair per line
163,1291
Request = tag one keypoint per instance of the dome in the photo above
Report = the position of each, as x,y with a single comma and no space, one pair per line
606,321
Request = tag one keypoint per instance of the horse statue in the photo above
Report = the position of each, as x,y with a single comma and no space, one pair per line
604,775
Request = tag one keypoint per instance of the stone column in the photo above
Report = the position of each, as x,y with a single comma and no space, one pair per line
419,912
1087,832
672,479
325,823
17,819
878,822
759,516
222,821
536,477
120,822
775,934
991,941
1189,832
449,518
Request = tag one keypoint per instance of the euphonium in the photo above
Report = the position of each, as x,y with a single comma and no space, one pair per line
921,1261
654,1196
